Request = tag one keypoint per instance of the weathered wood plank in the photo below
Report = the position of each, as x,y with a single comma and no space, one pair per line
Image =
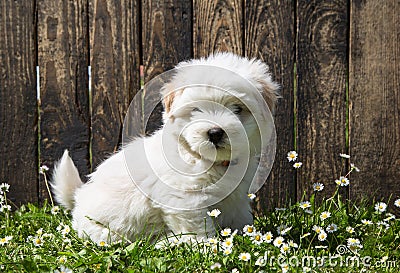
375,98
18,104
166,40
270,36
64,95
217,26
114,58
321,92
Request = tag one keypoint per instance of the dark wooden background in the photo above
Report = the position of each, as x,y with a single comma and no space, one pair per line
338,63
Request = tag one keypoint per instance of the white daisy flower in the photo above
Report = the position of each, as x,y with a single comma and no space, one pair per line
344,156
292,156
279,241
366,222
322,236
214,213
244,256
249,230
325,215
65,230
102,244
226,232
342,181
285,248
305,204
380,207
389,217
235,270
4,187
352,241
37,241
285,268
214,249
297,165
318,229
354,167
397,203
350,230
293,244
62,259
383,224
318,186
55,210
268,237
331,228
215,266
227,251
43,169
5,240
252,196
213,241
39,231
227,243
257,238
4,208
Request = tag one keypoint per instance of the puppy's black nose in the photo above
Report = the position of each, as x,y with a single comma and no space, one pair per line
215,135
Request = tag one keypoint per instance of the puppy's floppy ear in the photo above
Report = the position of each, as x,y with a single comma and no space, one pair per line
169,94
269,91
168,97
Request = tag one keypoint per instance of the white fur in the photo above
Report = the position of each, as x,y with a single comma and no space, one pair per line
136,192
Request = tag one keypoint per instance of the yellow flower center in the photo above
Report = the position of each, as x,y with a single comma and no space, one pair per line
257,237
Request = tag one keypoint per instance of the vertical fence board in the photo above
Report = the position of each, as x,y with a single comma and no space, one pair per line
321,91
375,97
167,39
18,104
114,58
270,36
64,94
217,26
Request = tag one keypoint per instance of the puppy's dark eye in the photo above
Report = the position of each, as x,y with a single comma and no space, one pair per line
237,109
195,109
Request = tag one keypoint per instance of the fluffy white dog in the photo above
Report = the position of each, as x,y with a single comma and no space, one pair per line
204,157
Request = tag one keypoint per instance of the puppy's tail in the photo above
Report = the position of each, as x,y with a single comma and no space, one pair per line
65,181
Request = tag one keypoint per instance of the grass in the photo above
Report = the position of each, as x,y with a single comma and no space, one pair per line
332,235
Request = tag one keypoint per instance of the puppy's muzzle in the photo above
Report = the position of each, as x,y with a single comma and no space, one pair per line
215,135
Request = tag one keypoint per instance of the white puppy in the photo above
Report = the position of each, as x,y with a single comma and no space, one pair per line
204,157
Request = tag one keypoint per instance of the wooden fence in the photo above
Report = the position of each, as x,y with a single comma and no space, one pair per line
338,63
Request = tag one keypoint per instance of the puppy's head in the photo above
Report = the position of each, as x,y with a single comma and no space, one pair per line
214,105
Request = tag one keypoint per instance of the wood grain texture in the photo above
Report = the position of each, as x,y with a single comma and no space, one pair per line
270,36
18,104
217,26
63,60
375,98
166,40
321,92
114,58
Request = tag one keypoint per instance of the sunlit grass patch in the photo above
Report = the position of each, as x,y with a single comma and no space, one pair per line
331,235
